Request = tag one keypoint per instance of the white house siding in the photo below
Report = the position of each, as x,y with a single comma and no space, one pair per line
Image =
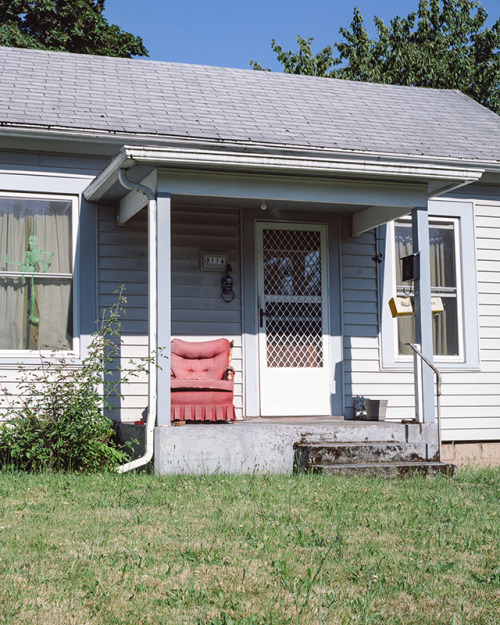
363,374
198,311
123,261
472,399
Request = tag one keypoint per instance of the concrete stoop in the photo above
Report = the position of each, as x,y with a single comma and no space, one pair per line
383,459
284,445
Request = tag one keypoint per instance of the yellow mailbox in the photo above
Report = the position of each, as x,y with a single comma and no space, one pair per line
401,306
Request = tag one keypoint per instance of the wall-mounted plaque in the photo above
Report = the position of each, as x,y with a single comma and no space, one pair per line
213,261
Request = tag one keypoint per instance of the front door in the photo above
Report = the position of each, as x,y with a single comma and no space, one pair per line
293,319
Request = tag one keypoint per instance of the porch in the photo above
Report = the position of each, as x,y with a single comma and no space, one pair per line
193,212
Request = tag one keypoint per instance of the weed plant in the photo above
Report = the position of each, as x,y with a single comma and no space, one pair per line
56,421
249,550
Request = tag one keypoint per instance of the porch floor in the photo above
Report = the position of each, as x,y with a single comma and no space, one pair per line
309,420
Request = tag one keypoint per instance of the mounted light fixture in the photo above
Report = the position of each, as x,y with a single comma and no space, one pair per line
263,205
227,293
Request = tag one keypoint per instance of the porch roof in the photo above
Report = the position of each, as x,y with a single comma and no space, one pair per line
373,192
56,94
190,169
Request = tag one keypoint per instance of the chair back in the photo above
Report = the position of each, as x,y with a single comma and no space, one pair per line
204,360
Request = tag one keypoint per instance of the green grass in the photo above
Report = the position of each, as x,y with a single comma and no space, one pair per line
244,550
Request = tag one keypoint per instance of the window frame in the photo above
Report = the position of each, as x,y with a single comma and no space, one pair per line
434,221
23,354
462,214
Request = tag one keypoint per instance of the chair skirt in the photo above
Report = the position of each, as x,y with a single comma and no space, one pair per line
188,405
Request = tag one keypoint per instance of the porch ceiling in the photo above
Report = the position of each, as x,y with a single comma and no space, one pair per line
272,205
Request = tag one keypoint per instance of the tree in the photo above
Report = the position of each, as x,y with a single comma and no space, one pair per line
444,44
65,25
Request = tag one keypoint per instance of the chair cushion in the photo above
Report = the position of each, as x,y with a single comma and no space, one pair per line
204,360
201,385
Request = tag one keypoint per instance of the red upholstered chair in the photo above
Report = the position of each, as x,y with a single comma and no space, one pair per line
202,382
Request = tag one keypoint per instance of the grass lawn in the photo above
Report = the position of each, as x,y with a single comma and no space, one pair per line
244,550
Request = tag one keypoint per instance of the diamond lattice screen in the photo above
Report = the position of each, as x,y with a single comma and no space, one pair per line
293,298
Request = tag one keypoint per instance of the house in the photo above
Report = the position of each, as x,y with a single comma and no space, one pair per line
159,175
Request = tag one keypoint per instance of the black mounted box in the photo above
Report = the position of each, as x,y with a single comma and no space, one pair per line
411,267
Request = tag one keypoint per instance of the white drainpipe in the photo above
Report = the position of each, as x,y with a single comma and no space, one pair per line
152,340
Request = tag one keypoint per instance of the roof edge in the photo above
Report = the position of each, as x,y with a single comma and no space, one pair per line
120,138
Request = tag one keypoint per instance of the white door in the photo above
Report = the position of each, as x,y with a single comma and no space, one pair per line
292,319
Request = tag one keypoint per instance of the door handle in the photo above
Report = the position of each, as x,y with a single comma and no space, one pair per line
262,313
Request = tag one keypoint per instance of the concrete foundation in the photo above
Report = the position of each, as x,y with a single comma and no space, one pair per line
482,454
266,446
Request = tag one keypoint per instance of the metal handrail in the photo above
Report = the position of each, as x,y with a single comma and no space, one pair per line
438,390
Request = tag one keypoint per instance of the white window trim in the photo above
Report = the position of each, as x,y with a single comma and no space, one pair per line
25,354
462,213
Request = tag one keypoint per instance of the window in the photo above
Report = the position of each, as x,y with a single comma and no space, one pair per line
36,272
444,253
453,279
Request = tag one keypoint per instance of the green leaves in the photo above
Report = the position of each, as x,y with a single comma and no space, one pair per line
65,25
444,44
303,61
57,420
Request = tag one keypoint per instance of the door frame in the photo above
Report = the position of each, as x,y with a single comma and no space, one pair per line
249,304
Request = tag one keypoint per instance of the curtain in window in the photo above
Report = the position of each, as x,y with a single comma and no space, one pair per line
404,247
35,241
443,284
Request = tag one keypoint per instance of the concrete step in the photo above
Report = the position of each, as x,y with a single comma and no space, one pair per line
387,469
309,454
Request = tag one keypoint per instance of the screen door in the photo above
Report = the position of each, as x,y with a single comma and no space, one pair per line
292,319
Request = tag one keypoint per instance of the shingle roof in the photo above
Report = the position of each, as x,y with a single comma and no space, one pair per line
169,100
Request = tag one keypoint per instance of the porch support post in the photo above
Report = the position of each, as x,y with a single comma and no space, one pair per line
161,306
423,314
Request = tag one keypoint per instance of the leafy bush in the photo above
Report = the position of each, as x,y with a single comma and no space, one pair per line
57,421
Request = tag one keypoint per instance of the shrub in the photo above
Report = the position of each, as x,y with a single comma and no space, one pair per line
57,421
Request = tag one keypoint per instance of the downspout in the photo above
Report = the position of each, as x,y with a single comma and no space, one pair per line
152,340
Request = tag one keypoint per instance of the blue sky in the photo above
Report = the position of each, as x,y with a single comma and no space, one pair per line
229,33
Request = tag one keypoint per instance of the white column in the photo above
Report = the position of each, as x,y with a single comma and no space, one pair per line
423,314
160,301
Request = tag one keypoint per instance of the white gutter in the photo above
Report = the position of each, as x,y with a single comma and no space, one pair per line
277,163
153,322
306,164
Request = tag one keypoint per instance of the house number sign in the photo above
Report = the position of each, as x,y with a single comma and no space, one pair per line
211,261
